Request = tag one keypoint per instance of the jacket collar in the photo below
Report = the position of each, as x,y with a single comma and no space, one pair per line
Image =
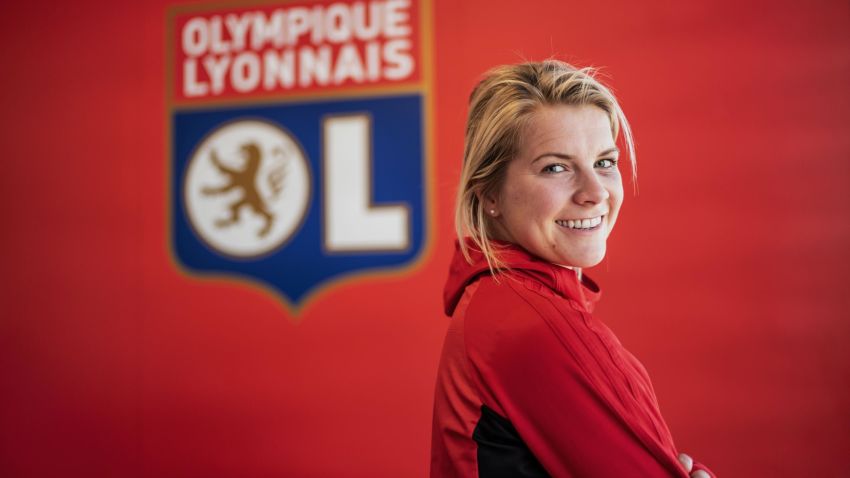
522,264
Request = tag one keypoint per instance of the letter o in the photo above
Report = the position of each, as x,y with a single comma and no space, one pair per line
196,37
245,72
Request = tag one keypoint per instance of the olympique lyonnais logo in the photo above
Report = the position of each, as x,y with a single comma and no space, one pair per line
299,141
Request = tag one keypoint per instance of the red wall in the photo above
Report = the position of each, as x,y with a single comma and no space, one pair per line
726,274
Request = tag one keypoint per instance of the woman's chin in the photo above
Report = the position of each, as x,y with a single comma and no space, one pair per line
582,261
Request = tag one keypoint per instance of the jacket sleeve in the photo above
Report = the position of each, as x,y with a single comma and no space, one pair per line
525,371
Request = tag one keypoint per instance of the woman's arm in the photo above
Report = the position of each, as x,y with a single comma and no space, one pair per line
528,375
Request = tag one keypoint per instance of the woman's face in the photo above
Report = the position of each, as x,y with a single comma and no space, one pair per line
562,192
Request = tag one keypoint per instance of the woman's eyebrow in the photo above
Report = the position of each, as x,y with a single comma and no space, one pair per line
569,157
557,155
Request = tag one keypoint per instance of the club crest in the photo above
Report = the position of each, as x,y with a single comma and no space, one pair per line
299,152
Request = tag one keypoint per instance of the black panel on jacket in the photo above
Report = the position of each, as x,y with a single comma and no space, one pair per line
501,451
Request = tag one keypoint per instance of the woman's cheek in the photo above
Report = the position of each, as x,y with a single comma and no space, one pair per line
549,202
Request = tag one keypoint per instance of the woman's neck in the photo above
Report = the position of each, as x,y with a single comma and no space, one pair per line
577,269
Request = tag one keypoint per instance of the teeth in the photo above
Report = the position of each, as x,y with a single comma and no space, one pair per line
581,223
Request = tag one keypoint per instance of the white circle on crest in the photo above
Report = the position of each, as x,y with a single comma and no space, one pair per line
247,188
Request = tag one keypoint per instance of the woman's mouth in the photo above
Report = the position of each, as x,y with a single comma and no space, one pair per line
587,224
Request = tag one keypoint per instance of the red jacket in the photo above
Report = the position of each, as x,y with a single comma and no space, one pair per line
531,384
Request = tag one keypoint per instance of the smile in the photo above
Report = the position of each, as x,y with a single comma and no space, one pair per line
590,223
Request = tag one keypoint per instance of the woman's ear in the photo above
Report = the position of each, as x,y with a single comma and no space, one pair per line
489,203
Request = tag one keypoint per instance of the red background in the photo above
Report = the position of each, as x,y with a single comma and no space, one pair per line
725,276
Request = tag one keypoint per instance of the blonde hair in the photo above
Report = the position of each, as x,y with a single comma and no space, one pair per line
499,109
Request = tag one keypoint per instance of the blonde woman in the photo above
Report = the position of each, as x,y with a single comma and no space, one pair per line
530,384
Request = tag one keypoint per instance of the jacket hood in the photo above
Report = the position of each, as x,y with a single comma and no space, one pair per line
563,281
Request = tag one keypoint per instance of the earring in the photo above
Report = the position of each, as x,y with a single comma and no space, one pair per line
492,212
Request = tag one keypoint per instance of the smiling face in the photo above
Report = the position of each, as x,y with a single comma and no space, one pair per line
561,194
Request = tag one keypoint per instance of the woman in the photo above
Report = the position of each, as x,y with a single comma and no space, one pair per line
530,383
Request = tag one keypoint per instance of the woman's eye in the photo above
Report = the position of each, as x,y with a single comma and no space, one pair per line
606,163
554,168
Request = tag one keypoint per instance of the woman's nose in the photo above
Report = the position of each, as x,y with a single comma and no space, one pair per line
590,190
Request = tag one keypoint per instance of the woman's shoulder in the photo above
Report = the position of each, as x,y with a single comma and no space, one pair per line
509,327
511,308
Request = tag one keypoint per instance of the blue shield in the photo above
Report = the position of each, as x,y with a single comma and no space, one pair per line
233,166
